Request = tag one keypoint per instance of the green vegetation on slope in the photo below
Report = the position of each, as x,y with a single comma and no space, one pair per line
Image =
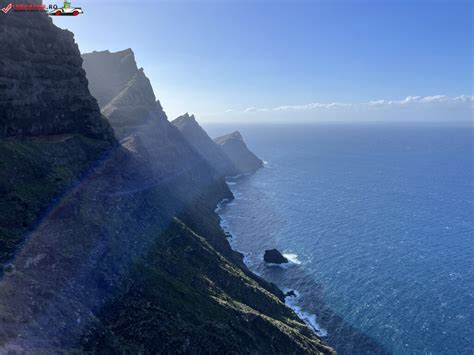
185,297
33,172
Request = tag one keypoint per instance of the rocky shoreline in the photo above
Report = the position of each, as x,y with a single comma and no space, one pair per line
319,317
274,257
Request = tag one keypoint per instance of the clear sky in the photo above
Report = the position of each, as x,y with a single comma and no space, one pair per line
294,60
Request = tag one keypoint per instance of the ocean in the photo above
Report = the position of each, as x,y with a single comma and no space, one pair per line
378,222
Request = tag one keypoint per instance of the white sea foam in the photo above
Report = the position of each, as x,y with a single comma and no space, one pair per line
247,258
292,302
221,204
293,258
309,318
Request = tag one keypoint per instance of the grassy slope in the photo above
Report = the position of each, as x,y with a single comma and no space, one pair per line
185,293
185,297
33,171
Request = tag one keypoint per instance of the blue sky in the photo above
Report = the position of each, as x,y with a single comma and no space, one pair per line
290,60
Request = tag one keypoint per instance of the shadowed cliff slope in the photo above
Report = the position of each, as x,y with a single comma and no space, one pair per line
199,139
51,129
122,90
43,88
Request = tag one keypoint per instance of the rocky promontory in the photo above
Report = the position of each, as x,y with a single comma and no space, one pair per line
236,150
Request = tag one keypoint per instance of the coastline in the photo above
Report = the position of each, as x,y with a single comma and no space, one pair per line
332,320
291,302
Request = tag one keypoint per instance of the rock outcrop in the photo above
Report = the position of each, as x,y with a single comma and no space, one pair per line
43,88
273,256
204,145
122,90
236,150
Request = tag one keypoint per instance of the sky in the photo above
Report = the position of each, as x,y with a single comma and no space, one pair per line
294,60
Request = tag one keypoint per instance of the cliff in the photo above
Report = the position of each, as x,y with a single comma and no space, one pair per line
236,150
51,129
122,90
198,138
43,88
116,248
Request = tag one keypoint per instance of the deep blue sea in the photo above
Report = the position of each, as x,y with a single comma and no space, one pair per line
378,221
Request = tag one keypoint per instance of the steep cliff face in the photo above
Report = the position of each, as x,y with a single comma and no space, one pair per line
43,88
123,91
189,299
121,246
51,129
139,121
236,150
112,73
199,139
187,292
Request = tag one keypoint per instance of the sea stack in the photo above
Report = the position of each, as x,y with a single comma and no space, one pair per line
235,148
273,256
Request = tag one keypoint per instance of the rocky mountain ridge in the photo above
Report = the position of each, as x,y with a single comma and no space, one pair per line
198,138
121,247
123,91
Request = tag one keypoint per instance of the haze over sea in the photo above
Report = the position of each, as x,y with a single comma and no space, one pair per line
379,222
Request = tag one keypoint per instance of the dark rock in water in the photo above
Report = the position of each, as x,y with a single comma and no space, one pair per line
273,256
204,145
235,148
290,294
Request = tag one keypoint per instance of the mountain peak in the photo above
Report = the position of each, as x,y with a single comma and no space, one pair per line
199,139
123,91
234,136
109,72
236,150
186,120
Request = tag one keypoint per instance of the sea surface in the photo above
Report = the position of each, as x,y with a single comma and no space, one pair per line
378,222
